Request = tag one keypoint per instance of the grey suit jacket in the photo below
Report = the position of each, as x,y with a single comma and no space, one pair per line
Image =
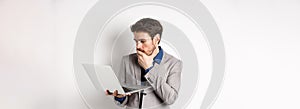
164,79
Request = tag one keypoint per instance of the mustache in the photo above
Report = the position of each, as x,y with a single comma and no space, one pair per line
145,52
141,50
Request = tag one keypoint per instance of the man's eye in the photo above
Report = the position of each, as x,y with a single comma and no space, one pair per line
142,41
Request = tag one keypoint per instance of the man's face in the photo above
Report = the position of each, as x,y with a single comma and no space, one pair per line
144,42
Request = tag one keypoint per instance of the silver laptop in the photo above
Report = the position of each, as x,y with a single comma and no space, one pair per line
104,78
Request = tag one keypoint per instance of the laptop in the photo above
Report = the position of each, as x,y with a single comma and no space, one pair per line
104,78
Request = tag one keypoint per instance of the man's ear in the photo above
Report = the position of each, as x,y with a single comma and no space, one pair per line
156,39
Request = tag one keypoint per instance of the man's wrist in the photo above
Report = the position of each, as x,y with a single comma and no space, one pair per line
149,65
121,100
148,69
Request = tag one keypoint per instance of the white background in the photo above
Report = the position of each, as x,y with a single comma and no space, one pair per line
261,41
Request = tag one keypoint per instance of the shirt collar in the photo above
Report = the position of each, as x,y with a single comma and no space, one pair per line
159,56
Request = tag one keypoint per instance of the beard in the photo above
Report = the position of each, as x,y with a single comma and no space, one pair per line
150,52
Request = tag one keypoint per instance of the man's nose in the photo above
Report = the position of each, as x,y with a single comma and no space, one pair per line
138,45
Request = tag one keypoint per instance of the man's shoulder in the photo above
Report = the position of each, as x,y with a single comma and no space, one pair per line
129,56
169,57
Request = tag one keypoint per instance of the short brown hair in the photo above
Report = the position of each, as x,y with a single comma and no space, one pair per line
148,25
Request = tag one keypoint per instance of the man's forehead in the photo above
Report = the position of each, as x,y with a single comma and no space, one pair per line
141,35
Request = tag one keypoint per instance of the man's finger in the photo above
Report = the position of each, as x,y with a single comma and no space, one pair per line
140,53
128,94
140,57
140,60
120,95
108,92
115,93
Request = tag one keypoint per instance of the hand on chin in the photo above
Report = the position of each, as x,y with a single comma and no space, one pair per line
144,60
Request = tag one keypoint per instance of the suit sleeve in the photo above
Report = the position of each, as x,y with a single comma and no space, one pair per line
121,104
165,83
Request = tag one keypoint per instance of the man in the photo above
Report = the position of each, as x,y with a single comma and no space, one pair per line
150,66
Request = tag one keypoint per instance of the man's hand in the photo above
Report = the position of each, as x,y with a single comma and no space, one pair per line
146,61
115,94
